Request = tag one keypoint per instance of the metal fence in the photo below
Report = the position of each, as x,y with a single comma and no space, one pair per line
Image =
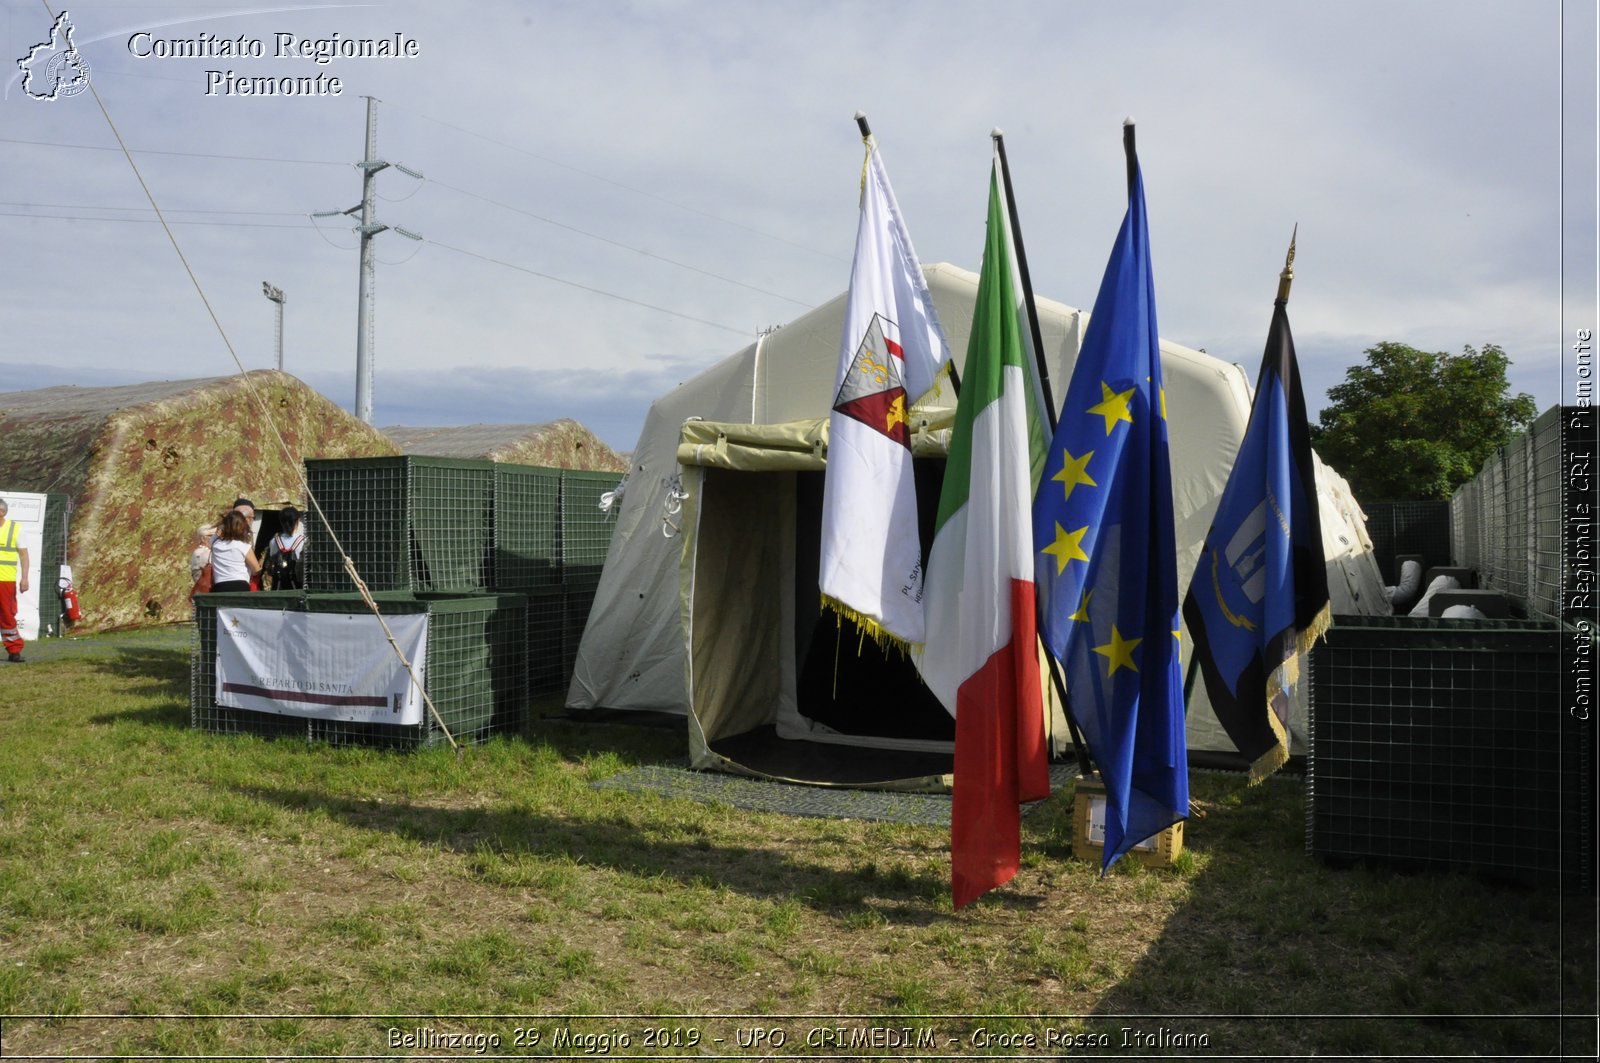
1443,744
476,669
53,554
1506,522
410,523
1400,528
417,525
551,537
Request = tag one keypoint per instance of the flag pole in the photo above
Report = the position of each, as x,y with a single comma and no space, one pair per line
1285,280
1129,151
999,139
866,137
1080,748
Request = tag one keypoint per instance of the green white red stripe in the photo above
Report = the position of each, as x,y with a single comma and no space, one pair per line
980,655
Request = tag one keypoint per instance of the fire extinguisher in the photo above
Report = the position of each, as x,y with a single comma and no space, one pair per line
70,608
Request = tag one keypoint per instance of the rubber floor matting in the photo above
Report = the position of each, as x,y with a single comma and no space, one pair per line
758,795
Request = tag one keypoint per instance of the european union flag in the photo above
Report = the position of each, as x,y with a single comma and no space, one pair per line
1106,554
1259,596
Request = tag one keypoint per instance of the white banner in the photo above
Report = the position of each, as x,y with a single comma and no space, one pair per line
28,511
331,666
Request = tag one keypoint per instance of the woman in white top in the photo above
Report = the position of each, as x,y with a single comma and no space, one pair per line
233,561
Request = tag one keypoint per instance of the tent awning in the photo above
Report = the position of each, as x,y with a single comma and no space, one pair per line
794,446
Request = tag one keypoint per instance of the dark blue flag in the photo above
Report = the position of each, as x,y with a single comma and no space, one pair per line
1106,557
1259,597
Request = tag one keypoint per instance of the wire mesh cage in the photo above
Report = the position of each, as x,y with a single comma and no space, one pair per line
1514,567
1502,529
550,542
1507,521
52,555
475,669
527,528
579,602
1444,744
585,527
548,666
1398,528
410,523
426,525
1466,522
1545,555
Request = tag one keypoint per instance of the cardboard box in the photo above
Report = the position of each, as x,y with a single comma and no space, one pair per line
1089,830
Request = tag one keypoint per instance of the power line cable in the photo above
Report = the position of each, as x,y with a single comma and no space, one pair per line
442,184
150,221
619,184
174,210
177,154
324,234
266,413
588,288
618,243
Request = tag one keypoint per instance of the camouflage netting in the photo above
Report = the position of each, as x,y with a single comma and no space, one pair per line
145,464
563,444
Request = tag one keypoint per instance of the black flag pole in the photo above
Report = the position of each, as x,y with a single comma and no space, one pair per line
1080,748
999,138
1285,281
1131,152
866,136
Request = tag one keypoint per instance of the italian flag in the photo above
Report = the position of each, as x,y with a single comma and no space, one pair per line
980,655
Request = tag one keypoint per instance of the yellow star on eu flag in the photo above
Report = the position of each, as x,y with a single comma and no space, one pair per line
1067,547
1083,610
1113,405
1074,471
1119,652
1163,402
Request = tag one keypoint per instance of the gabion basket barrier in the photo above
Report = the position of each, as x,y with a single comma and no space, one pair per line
409,523
1445,744
52,555
527,528
1409,528
476,669
550,542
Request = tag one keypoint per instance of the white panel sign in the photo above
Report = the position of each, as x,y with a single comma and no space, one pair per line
1097,825
28,511
331,666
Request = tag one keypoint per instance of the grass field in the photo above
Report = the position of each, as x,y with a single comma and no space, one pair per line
266,898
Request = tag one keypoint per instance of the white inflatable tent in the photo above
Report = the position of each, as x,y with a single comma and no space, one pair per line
708,606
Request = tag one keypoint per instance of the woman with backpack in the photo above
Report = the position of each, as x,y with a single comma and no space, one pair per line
284,552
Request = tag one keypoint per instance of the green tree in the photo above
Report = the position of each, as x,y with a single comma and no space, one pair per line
1413,425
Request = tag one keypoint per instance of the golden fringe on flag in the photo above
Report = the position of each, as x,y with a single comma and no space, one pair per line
869,628
1284,677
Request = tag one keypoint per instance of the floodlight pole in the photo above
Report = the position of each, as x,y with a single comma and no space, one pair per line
277,296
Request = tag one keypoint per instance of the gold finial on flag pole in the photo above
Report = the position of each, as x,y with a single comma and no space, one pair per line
1286,278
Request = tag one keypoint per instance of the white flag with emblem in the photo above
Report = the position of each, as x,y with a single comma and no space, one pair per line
890,352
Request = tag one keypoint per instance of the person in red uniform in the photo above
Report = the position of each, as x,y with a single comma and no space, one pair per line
13,581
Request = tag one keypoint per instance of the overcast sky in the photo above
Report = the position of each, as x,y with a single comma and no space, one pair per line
616,195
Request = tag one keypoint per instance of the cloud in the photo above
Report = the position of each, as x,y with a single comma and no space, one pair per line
632,181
